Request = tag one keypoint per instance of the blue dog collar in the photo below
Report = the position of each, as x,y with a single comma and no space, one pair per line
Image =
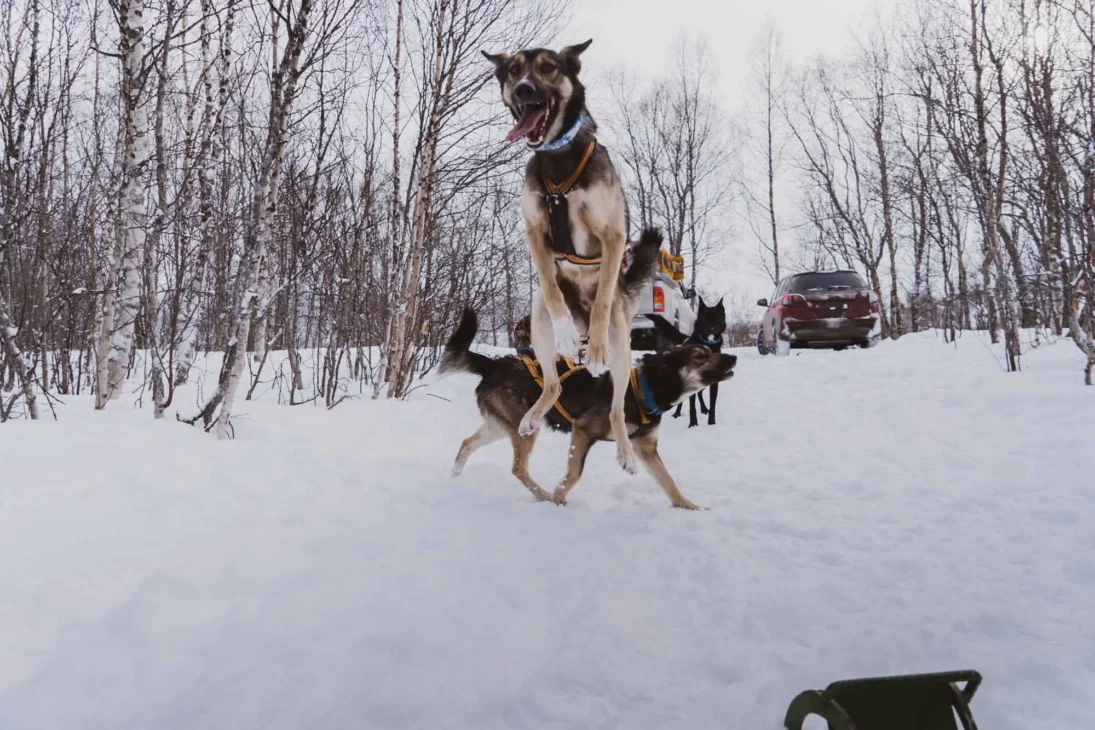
648,396
712,342
564,140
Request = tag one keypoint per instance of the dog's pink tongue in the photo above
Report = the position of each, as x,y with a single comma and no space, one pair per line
528,121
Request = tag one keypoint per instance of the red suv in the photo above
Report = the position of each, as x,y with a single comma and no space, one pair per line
819,309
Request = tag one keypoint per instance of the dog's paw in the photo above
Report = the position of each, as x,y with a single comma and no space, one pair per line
596,358
530,424
625,456
560,497
457,469
541,495
567,340
683,503
692,424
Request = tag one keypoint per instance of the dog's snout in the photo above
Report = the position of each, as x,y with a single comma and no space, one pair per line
730,361
524,91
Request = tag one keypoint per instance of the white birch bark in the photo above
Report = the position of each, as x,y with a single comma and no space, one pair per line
402,359
282,93
134,200
18,362
208,157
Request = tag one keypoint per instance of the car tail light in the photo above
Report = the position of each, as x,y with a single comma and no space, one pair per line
659,299
796,307
864,304
876,302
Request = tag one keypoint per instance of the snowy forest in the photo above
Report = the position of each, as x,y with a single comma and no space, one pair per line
329,179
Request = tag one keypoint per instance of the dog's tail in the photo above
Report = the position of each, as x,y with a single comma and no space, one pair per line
644,262
458,356
670,335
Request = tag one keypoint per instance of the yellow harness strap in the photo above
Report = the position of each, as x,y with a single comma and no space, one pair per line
534,370
563,189
567,184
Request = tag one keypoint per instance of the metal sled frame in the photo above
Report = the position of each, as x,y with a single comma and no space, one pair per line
906,702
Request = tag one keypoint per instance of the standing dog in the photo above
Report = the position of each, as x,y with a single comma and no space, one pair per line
576,222
511,384
708,330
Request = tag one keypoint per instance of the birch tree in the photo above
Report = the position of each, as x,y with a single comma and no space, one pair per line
283,88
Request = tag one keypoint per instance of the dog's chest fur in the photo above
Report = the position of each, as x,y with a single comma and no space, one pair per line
591,211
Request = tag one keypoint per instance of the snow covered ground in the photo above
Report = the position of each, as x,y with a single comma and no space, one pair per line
905,509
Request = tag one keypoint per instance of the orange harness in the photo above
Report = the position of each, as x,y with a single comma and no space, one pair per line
561,190
534,370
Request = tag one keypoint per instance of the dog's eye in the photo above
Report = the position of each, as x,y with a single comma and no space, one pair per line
547,68
514,69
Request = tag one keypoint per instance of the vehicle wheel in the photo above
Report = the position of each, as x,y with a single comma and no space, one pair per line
761,347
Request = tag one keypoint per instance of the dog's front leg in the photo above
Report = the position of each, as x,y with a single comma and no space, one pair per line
613,246
543,344
647,447
565,337
711,408
620,367
692,421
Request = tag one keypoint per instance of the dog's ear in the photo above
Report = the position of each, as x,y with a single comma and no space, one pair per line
718,304
498,59
702,304
571,55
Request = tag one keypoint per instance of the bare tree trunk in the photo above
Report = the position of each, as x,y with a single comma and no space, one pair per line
207,158
887,221
12,163
395,228
16,360
282,93
133,201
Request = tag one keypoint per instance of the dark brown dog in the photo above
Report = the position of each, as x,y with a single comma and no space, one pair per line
508,387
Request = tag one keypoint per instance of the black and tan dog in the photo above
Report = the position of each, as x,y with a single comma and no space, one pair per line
576,222
509,385
707,331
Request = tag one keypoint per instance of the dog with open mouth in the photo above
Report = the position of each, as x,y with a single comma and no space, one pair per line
576,222
509,384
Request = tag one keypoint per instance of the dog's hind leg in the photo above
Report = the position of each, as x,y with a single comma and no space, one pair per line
522,449
487,434
580,445
543,344
647,446
711,409
677,413
620,367
703,406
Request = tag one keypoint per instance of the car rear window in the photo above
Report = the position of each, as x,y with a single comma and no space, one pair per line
824,282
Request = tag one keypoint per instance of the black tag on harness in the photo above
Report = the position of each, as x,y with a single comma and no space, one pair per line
559,220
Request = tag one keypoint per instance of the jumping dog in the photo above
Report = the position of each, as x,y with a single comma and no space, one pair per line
576,223
509,385
708,330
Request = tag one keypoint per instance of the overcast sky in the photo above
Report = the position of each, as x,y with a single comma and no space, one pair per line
640,34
